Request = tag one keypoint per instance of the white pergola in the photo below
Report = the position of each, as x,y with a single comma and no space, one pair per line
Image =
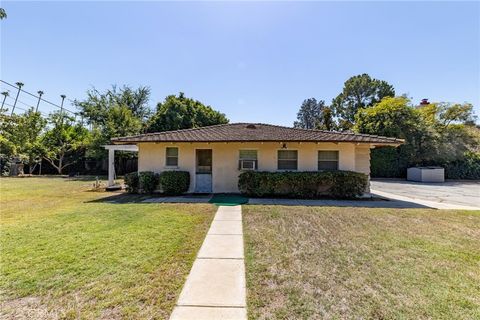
111,158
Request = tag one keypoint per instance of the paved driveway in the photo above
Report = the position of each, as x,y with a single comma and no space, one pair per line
451,193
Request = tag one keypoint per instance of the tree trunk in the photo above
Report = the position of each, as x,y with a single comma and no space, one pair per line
59,168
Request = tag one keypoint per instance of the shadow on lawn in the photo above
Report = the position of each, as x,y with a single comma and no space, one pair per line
359,203
229,200
120,197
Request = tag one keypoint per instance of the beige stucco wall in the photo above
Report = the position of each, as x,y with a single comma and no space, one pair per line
151,157
362,161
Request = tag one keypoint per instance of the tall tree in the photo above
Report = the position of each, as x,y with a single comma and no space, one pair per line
114,113
180,112
430,135
3,14
314,115
63,141
359,92
309,114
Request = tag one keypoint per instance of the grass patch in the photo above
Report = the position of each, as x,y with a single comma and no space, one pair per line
359,263
67,254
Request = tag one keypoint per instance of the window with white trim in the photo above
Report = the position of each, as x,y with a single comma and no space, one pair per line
171,157
248,160
327,160
287,159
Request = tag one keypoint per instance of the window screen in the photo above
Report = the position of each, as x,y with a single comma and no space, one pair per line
287,159
327,160
247,160
248,154
172,157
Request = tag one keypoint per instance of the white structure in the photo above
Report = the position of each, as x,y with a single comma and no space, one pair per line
111,159
426,174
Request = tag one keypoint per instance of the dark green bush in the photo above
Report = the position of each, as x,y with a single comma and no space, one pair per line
386,162
174,182
148,181
131,182
306,185
466,168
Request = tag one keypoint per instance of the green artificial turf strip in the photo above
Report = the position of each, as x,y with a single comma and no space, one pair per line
228,200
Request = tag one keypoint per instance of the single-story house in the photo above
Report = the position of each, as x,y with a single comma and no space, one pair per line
216,155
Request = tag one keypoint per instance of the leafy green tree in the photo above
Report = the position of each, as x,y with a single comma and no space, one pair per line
450,125
21,135
396,117
3,14
434,134
114,113
64,141
180,112
314,114
446,114
359,92
326,120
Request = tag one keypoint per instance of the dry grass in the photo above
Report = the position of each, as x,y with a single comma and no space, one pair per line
357,263
67,255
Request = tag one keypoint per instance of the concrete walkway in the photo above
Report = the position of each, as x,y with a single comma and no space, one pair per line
215,287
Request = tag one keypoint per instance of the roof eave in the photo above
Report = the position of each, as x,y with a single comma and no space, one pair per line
395,143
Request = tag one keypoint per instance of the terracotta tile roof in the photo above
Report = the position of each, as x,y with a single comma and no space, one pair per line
255,132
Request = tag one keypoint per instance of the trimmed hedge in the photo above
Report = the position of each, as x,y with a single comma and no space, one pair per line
386,162
467,168
175,182
148,181
305,185
132,182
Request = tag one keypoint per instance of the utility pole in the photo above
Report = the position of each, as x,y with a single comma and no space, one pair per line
20,85
5,95
40,93
61,108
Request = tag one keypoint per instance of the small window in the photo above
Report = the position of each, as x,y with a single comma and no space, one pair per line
327,160
248,160
287,159
172,157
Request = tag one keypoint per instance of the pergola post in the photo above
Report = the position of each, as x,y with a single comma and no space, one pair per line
111,166
111,161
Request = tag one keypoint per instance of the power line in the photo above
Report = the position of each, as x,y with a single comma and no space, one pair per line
36,96
19,108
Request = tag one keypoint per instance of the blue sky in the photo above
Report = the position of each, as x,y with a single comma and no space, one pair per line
254,61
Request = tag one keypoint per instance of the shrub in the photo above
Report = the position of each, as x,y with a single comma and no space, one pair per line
307,185
466,168
174,182
386,162
131,181
148,181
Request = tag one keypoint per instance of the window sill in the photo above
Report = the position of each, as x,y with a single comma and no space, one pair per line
170,167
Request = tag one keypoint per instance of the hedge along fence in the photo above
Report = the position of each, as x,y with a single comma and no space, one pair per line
170,182
306,185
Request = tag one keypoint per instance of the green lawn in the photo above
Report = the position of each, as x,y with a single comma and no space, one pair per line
358,263
66,253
